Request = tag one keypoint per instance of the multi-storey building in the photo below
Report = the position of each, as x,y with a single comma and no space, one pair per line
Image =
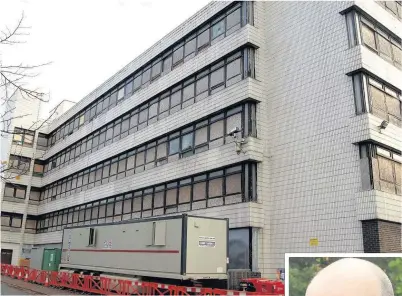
313,87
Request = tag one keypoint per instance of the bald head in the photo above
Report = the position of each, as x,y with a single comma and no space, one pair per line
350,277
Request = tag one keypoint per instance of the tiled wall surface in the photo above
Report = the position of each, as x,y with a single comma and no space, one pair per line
308,172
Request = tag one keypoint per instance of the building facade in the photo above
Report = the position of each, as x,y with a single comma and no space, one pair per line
312,91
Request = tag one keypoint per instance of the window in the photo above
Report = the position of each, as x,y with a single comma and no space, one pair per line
375,37
19,164
380,169
23,137
240,248
202,86
14,191
156,69
172,100
174,146
120,93
217,78
38,168
218,187
203,39
129,88
137,82
190,46
146,76
196,138
218,29
378,98
178,55
393,7
167,64
42,142
233,21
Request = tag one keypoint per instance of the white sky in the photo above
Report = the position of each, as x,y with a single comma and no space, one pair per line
87,41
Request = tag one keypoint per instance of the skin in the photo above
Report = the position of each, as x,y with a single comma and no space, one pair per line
349,277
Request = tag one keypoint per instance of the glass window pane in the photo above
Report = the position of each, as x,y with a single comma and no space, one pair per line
161,150
134,120
129,88
187,142
233,19
153,110
174,146
217,77
143,115
233,184
189,47
215,187
368,36
156,69
178,55
384,46
167,64
233,69
218,29
199,191
203,39
171,197
137,82
113,168
188,92
216,130
120,94
146,76
130,162
125,125
175,99
122,165
150,154
140,158
164,105
113,99
233,121
201,136
184,194
202,85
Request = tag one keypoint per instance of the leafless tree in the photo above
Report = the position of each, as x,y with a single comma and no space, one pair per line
14,78
14,81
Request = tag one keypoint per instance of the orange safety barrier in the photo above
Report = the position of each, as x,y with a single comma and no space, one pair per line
109,286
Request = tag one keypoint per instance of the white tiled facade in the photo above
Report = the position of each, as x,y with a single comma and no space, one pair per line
308,175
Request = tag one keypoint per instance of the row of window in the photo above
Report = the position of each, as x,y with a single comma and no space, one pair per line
207,82
220,26
215,188
375,37
14,220
196,138
24,137
19,192
378,98
20,165
393,7
381,169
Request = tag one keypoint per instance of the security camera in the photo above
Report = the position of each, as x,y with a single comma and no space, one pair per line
383,124
234,131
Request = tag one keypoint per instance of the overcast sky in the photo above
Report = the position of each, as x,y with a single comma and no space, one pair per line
87,41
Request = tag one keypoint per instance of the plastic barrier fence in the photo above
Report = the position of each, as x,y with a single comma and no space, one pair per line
108,286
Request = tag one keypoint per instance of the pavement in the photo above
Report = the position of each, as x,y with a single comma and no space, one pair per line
10,286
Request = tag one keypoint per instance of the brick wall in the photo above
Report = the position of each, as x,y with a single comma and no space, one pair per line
381,236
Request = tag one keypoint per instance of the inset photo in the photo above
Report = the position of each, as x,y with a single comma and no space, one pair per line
341,274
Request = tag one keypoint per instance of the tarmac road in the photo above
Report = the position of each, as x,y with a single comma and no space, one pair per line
13,290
